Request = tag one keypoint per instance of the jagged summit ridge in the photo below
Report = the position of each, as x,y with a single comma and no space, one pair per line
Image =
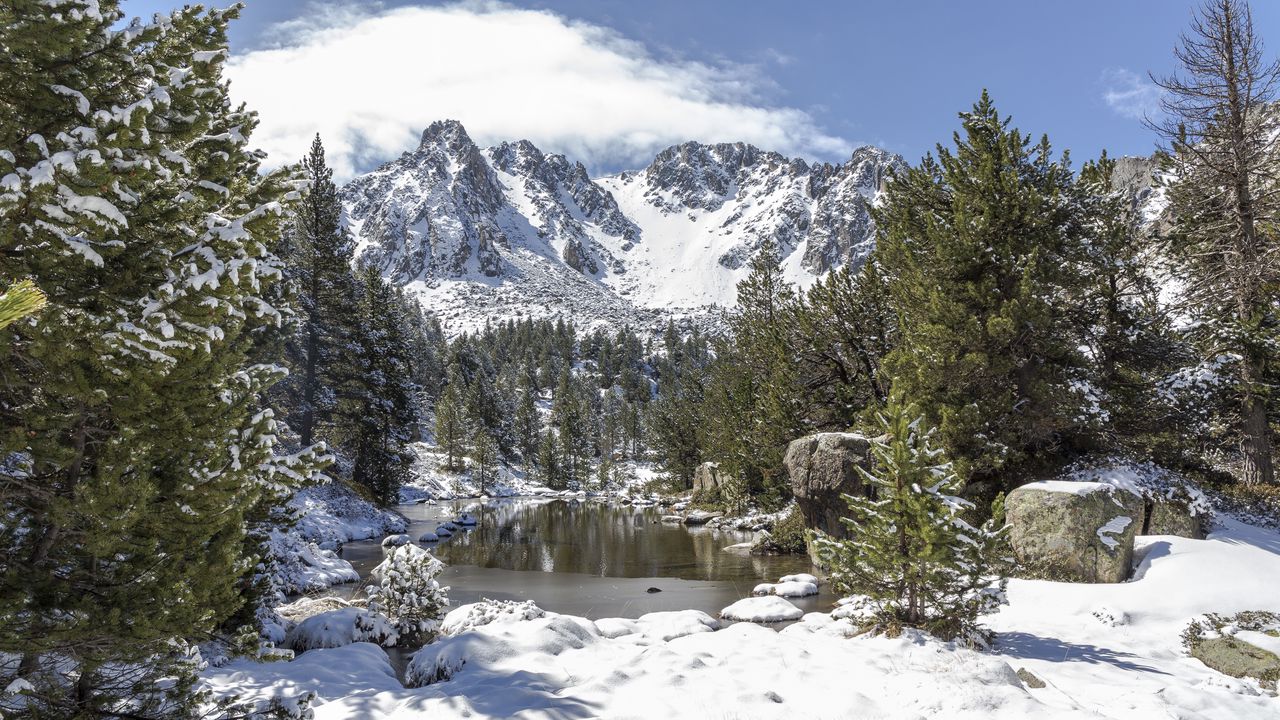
512,230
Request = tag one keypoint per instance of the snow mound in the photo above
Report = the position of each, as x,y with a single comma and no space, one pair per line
396,540
673,624
766,609
617,627
787,588
487,612
428,537
306,607
799,577
444,531
465,520
299,566
482,649
337,628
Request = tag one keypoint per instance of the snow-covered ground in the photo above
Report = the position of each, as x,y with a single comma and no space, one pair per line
1102,651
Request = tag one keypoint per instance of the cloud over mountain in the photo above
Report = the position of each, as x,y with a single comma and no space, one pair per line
369,80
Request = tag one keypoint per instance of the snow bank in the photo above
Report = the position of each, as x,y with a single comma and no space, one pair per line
485,612
766,609
341,627
396,540
299,566
333,513
791,586
1131,665
672,624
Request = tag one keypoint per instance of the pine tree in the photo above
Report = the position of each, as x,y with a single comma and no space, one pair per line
379,408
1224,132
320,267
134,438
484,453
1130,341
977,245
527,423
550,470
911,557
451,423
409,593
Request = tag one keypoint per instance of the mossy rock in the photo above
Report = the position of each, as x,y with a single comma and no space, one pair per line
1074,531
1237,658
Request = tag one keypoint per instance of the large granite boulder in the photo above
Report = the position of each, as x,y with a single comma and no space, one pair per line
1074,531
707,478
823,467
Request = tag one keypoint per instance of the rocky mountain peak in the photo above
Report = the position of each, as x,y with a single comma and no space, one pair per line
513,230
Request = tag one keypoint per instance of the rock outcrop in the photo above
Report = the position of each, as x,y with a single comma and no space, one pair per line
1074,531
707,478
823,467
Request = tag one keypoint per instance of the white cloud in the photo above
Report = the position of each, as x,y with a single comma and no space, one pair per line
370,80
1130,94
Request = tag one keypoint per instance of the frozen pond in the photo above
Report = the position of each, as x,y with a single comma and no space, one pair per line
588,558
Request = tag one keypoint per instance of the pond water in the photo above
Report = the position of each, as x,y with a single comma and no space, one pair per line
588,558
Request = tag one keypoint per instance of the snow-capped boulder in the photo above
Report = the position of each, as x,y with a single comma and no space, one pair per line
1074,531
337,628
669,625
822,468
486,612
799,577
484,648
707,477
428,537
1171,504
396,540
444,531
701,517
787,588
465,520
766,609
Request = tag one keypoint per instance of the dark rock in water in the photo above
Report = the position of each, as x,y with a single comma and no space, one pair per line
653,590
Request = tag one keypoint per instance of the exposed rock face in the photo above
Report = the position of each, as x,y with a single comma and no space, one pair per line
822,467
1172,517
512,230
1075,531
707,477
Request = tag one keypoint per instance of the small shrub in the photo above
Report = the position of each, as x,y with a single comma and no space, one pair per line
789,533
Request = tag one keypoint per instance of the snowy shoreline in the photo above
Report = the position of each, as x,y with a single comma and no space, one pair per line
1111,651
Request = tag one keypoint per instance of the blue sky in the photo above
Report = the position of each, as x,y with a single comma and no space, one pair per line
810,79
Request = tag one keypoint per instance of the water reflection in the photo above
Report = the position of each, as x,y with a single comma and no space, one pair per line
586,558
606,541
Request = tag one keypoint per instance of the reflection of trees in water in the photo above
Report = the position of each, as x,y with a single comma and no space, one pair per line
602,540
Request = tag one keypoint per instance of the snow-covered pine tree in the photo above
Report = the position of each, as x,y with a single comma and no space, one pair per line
409,593
134,440
1224,131
911,557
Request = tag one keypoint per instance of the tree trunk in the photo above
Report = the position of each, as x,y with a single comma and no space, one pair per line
1255,441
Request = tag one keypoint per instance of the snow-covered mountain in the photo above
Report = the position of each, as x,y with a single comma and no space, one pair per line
510,230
